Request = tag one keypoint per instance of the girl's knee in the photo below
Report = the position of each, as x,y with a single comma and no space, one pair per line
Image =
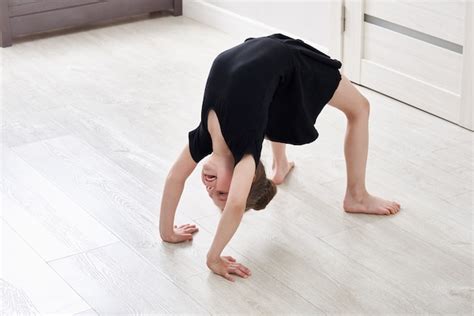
360,109
365,106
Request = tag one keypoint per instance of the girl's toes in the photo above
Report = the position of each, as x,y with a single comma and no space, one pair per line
385,211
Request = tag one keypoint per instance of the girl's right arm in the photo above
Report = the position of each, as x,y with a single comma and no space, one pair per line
172,191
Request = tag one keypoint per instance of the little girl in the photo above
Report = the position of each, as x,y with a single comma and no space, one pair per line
271,87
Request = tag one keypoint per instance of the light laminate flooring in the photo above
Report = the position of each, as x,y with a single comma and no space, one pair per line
92,120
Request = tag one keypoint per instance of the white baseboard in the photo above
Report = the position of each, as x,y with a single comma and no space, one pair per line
232,23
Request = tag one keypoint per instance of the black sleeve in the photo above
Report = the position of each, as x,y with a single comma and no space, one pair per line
251,144
200,143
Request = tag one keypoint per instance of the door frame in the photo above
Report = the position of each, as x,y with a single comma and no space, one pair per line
336,27
467,114
353,23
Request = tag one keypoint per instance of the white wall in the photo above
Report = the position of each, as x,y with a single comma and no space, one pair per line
308,19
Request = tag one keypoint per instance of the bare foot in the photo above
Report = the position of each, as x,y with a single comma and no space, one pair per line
280,171
370,204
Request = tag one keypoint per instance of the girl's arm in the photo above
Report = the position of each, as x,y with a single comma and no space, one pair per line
172,191
234,209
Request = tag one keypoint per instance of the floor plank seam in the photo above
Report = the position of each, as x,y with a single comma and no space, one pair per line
12,147
83,252
114,234
77,293
124,171
123,241
388,281
270,275
429,244
68,196
52,269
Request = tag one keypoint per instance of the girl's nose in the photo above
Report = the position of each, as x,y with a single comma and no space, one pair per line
209,191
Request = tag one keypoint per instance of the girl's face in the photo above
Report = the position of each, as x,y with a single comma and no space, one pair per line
216,176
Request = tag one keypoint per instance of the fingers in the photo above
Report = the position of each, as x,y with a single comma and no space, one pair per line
185,226
187,237
236,270
177,238
245,269
191,230
227,266
229,258
239,269
228,277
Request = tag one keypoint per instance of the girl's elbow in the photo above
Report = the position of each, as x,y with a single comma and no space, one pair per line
175,176
236,207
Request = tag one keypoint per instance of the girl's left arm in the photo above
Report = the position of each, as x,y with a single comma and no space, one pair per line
232,214
172,191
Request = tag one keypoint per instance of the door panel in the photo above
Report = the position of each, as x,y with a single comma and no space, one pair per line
425,96
423,61
442,19
413,51
13,3
24,7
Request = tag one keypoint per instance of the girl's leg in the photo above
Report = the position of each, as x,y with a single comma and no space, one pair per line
280,165
356,108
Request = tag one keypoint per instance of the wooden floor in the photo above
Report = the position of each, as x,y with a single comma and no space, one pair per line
91,122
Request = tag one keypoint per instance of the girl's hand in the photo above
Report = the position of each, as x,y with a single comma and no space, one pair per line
227,265
182,233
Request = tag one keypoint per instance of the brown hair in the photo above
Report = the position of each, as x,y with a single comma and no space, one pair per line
262,190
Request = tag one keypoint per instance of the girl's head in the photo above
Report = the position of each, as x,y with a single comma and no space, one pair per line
217,175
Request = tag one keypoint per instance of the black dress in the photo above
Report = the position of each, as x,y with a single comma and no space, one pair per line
271,87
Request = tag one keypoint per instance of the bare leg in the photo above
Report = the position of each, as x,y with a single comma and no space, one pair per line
280,166
356,108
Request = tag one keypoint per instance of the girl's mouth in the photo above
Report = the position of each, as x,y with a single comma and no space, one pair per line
209,177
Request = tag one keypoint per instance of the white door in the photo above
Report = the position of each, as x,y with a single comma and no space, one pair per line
419,52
